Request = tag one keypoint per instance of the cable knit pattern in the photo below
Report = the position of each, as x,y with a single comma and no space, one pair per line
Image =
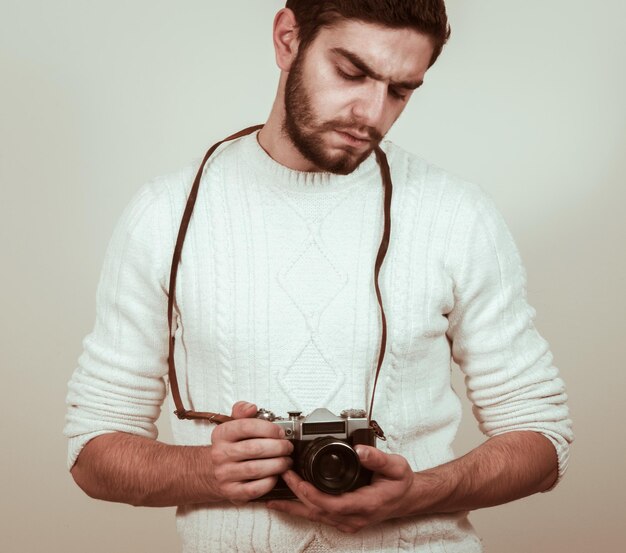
275,304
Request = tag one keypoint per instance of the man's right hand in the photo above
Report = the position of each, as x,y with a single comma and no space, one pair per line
242,464
247,455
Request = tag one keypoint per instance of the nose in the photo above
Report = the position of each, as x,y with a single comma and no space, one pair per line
369,107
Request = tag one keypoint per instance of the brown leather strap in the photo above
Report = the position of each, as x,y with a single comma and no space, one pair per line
385,173
181,412
218,418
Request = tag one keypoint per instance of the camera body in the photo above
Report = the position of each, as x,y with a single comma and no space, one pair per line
324,452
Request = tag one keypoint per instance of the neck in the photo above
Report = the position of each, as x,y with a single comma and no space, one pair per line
276,142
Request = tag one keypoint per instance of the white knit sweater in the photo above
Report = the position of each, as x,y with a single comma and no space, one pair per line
276,305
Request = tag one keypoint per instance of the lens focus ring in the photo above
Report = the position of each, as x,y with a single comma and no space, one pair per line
331,465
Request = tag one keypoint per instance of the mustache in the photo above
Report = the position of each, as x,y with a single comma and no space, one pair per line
351,125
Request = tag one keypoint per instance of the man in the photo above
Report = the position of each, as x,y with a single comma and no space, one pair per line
275,304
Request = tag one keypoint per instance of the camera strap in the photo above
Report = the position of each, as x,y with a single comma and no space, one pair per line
218,418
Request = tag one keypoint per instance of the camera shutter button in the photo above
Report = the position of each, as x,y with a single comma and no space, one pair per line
266,415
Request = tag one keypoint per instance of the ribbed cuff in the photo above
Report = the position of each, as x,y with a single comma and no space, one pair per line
562,454
75,445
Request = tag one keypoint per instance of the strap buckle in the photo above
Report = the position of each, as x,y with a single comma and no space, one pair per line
380,434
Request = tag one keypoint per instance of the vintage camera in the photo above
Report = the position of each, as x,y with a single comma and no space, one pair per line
324,452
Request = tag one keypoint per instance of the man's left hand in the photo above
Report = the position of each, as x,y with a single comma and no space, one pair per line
388,496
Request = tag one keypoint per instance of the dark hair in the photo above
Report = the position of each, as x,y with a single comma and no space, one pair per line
426,16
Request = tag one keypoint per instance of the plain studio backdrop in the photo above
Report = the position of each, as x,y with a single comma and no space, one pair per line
98,97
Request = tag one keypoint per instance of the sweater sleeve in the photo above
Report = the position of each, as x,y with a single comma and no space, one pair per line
509,372
119,384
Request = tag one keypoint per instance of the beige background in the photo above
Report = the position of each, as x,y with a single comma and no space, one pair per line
97,97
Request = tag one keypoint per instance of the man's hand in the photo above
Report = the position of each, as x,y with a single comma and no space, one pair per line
504,468
247,455
387,497
243,463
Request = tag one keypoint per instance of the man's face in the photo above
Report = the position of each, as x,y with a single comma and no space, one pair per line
345,91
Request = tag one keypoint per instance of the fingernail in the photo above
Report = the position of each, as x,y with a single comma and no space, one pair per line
363,453
281,433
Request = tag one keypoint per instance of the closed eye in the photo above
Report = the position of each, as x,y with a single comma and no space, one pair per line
350,76
396,93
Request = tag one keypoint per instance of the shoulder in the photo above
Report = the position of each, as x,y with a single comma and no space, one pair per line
155,210
147,222
164,191
435,188
419,175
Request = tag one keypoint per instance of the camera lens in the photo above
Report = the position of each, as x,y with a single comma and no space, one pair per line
331,465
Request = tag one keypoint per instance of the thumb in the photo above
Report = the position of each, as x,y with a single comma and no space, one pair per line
378,461
243,410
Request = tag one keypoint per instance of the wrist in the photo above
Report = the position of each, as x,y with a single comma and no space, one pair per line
431,491
184,477
198,477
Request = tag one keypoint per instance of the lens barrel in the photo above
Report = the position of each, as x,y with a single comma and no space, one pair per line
330,464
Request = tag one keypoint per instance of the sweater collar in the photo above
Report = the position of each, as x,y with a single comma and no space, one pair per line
292,180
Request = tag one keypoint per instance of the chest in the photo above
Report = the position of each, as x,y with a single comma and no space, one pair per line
277,294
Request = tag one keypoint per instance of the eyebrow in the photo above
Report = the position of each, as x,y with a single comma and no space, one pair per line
361,65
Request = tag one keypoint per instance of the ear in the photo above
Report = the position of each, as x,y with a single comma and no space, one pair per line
285,38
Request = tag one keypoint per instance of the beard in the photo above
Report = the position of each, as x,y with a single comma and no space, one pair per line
306,132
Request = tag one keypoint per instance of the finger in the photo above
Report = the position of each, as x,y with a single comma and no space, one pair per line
349,529
305,492
348,525
298,509
391,466
244,429
243,492
350,503
255,470
243,410
258,448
